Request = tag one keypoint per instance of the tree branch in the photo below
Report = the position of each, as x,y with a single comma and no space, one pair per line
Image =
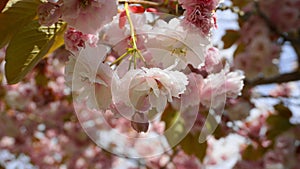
293,76
142,2
296,47
233,9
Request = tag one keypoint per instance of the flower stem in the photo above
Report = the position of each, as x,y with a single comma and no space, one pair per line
142,2
134,51
134,48
131,26
120,58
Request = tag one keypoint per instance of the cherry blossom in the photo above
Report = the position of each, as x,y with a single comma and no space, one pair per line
90,77
199,14
213,61
223,153
140,122
176,44
283,90
88,16
136,83
152,87
76,40
260,49
286,18
227,84
182,161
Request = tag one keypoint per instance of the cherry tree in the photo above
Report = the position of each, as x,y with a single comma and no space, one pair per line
142,84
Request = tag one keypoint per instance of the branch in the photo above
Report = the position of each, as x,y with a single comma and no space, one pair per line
293,76
142,2
296,47
233,9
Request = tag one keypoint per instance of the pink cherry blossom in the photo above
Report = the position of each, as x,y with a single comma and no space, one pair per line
144,89
88,16
258,164
75,40
286,18
199,14
90,77
221,85
213,62
191,96
283,90
183,161
209,4
178,47
182,71
140,122
257,59
234,83
224,152
120,38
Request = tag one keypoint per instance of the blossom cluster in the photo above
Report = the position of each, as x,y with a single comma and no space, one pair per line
42,128
136,82
199,14
174,66
263,32
136,64
286,19
259,48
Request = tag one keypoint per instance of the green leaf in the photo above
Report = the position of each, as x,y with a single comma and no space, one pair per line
230,37
253,153
280,122
15,18
220,132
27,48
169,116
59,38
191,146
240,48
174,125
283,111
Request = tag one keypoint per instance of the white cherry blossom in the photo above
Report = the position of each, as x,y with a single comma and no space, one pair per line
141,90
89,78
176,44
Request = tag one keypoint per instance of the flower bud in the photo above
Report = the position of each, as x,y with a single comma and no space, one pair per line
140,122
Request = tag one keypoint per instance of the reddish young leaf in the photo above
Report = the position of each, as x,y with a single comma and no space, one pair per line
3,4
151,10
122,19
137,9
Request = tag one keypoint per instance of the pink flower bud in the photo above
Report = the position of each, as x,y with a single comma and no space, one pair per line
140,122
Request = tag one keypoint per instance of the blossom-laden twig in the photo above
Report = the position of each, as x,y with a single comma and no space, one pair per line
136,54
142,2
293,76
